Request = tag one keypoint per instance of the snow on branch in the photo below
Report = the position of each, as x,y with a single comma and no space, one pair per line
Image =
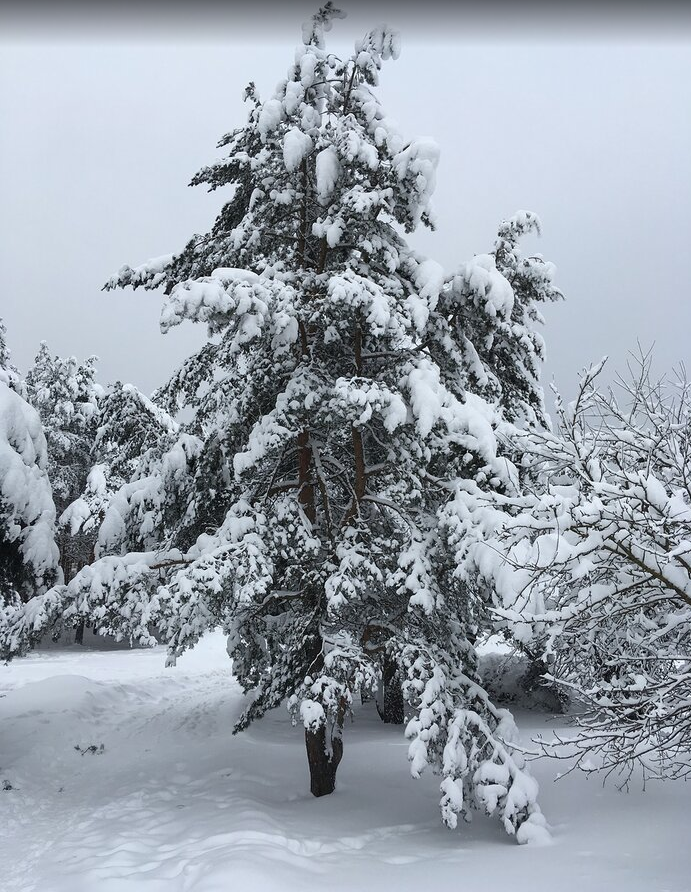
594,568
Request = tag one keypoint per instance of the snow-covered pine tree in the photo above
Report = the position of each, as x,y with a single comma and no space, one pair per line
482,335
517,350
485,335
312,505
28,554
139,494
128,428
8,373
5,363
65,395
490,311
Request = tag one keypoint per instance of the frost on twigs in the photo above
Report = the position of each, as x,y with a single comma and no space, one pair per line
593,570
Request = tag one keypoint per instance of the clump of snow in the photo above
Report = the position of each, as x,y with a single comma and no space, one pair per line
270,116
230,275
429,280
328,170
27,511
296,146
151,273
482,279
417,165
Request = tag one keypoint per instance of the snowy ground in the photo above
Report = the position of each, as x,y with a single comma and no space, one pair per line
174,803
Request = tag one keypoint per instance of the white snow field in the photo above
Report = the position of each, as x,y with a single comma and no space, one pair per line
175,803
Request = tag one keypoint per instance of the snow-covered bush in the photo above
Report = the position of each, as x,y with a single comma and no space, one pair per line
597,569
515,679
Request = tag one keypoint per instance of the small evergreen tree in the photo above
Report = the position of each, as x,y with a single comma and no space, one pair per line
484,335
517,350
8,373
129,426
65,394
5,364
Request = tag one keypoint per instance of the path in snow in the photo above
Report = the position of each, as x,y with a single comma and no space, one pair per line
175,803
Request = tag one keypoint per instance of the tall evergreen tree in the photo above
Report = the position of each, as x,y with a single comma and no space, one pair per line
65,395
313,504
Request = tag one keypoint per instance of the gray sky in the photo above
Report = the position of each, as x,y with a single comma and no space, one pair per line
584,118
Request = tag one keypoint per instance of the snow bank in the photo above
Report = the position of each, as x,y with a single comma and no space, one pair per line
176,803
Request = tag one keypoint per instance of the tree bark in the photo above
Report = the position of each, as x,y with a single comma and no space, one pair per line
79,633
391,707
323,760
360,479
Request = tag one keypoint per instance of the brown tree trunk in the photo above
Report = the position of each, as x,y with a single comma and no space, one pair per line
323,756
79,633
305,486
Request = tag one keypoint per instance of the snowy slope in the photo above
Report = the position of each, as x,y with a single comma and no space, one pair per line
174,803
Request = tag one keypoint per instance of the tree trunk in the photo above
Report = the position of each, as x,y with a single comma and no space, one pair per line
79,634
391,706
323,760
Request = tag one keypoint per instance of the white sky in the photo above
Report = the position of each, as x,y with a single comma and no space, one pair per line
587,122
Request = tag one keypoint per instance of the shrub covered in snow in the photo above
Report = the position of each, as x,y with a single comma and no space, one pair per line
594,569
516,679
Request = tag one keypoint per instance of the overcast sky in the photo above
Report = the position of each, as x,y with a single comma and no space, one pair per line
583,117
